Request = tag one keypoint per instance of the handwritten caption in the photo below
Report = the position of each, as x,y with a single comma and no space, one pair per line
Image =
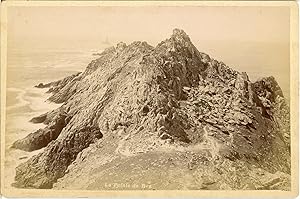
127,186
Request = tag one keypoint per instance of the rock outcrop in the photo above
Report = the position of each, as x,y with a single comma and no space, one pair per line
137,100
56,85
43,137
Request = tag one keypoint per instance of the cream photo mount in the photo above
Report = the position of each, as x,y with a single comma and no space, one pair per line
294,106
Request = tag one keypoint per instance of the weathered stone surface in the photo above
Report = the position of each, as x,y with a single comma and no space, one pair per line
42,137
48,117
54,85
42,170
39,119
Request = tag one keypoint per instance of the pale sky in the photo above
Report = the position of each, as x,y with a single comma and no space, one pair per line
251,39
148,23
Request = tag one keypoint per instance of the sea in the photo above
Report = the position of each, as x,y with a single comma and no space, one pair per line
25,69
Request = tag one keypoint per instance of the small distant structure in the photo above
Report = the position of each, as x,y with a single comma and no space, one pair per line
106,42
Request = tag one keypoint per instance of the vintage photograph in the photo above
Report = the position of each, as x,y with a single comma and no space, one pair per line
147,97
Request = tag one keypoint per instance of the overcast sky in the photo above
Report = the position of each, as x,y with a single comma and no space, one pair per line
252,39
148,23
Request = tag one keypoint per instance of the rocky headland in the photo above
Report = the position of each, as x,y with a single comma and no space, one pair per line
164,117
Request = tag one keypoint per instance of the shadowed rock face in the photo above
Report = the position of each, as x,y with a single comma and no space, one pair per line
56,157
42,137
138,100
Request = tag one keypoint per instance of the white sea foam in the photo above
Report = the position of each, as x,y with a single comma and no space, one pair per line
18,125
25,69
18,119
35,98
19,98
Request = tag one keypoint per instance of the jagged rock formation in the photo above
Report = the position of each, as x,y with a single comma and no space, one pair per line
57,84
170,102
42,137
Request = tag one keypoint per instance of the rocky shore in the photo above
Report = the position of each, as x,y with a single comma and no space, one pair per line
176,114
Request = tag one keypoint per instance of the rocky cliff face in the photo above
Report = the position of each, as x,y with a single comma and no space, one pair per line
170,111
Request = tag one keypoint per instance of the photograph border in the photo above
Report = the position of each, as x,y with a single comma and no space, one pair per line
294,105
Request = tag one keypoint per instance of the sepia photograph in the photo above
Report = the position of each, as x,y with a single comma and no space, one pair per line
149,96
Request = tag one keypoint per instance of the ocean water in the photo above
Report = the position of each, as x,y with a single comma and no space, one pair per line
24,101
